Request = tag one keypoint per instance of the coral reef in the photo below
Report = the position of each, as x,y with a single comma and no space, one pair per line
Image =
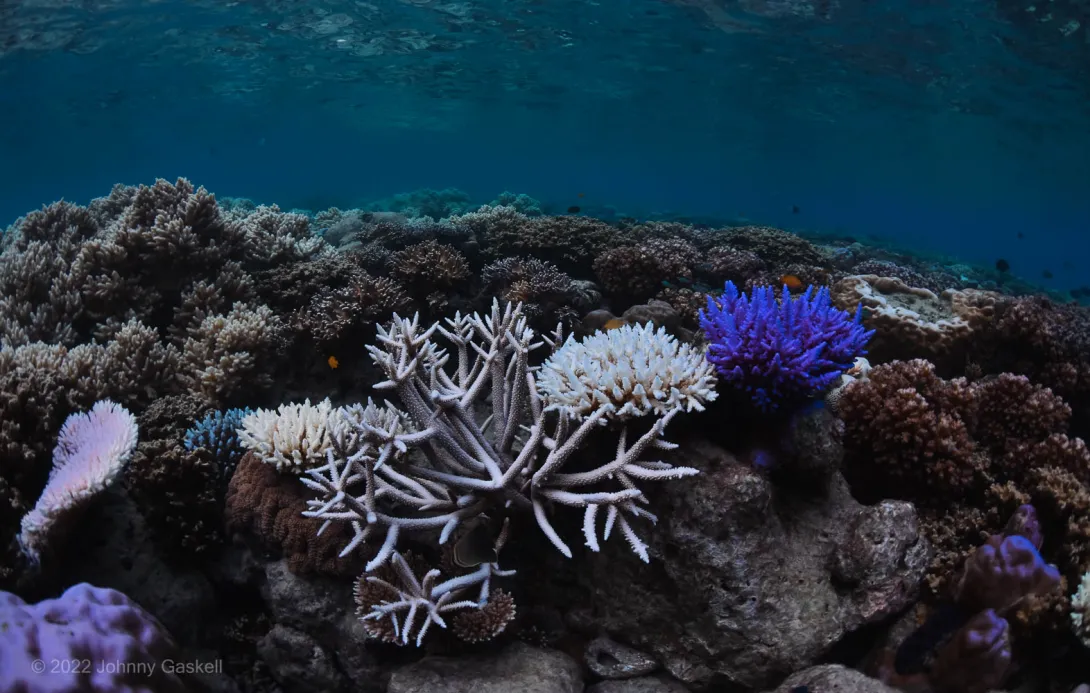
812,497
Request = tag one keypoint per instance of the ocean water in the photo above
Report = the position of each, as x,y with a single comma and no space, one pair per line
957,127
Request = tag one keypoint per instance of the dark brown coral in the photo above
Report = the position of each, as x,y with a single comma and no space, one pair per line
908,433
180,496
268,506
429,266
774,246
635,273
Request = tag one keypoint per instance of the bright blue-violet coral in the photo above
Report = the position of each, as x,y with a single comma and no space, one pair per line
782,350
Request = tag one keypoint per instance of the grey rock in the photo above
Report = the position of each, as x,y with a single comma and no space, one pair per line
833,678
323,609
642,684
518,667
612,660
124,558
298,663
749,582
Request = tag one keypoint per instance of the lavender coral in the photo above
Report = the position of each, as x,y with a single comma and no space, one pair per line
780,350
88,639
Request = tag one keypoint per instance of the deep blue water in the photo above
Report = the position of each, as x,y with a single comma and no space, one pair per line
947,126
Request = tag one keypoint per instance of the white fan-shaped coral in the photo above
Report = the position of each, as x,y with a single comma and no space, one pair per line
636,370
295,437
91,451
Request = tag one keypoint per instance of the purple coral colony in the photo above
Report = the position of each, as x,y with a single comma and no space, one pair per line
439,447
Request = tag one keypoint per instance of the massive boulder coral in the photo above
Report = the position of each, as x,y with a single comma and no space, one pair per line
911,322
89,638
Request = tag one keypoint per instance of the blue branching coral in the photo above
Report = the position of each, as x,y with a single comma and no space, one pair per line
217,432
782,350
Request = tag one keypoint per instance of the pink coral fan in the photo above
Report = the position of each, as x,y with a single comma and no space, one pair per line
91,451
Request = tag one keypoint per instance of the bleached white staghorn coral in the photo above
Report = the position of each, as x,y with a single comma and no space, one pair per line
1080,610
634,369
435,464
293,437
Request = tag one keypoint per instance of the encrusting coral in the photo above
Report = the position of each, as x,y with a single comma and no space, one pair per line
436,466
912,322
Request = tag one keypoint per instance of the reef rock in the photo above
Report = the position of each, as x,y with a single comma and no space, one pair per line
518,667
322,611
749,582
833,678
642,684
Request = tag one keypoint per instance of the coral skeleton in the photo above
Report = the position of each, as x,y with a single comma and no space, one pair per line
480,435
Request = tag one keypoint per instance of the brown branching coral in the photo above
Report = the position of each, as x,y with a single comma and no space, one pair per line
545,292
334,315
636,273
774,246
1011,407
722,264
570,242
429,266
1010,447
269,506
907,431
180,496
224,351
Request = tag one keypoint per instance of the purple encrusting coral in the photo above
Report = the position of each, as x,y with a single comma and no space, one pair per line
780,350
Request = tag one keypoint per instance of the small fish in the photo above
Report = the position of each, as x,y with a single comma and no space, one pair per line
1068,265
800,689
1002,265
792,282
573,209
795,209
475,547
1021,235
614,324
1046,274
333,362
582,194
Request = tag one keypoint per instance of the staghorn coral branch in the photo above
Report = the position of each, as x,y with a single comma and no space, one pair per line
442,461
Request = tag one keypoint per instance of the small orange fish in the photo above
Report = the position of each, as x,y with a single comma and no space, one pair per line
614,324
582,194
333,362
792,282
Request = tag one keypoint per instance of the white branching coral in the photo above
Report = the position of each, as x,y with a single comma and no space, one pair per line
1080,610
294,437
634,370
478,435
